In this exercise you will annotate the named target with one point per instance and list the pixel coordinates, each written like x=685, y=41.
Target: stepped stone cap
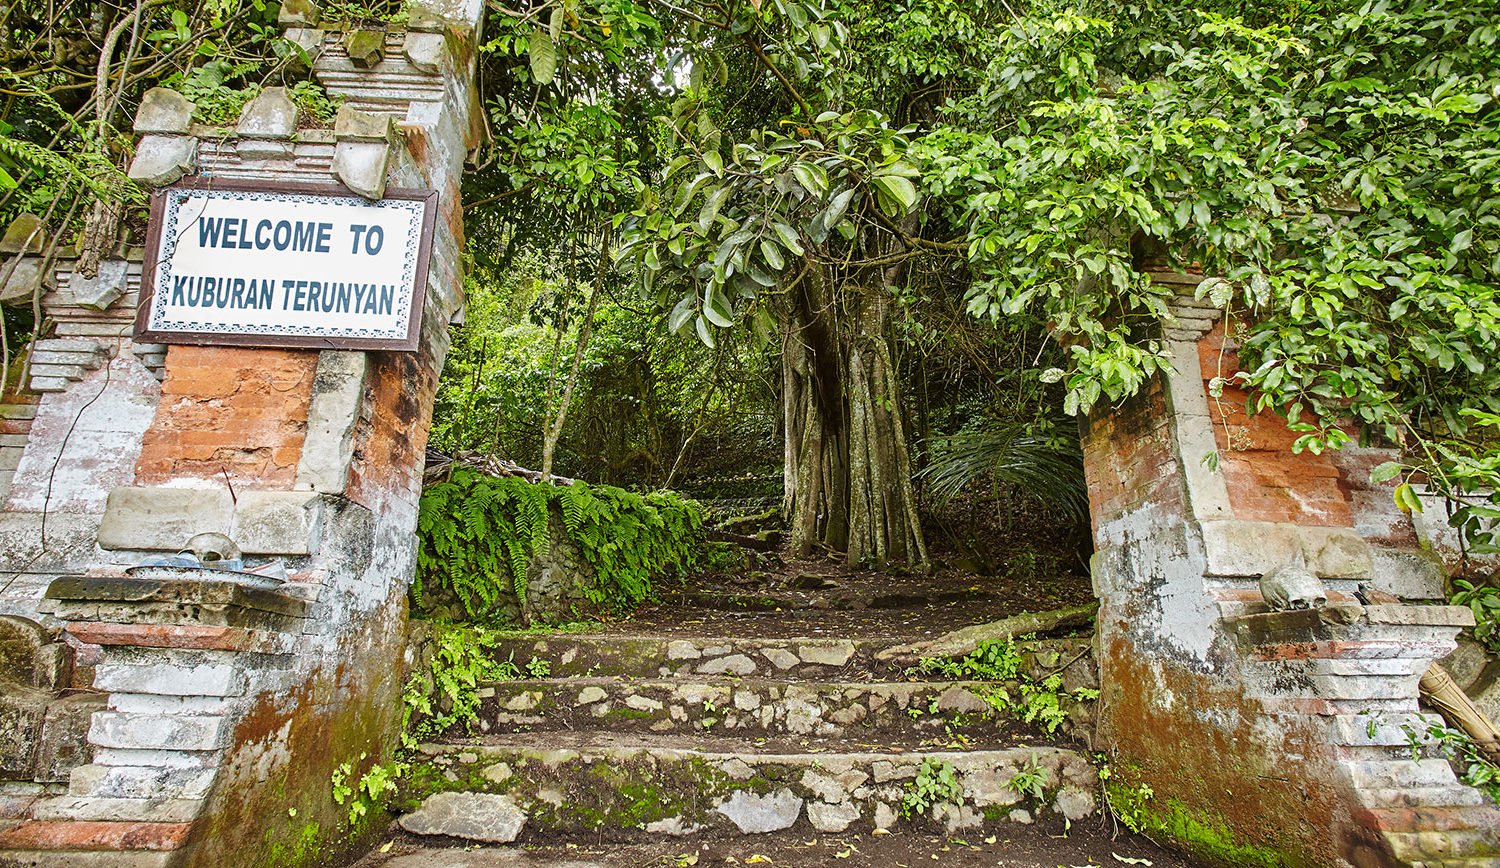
x=271, y=115
x=299, y=13
x=26, y=234
x=366, y=47
x=351, y=124
x=161, y=160
x=164, y=111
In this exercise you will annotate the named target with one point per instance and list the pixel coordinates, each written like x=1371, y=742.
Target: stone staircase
x=706, y=717
x=1358, y=679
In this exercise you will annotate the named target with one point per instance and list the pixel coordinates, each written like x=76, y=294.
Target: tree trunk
x=554, y=429
x=848, y=472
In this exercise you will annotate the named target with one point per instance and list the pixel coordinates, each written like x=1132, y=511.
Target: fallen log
x=762, y=543
x=440, y=466
x=961, y=643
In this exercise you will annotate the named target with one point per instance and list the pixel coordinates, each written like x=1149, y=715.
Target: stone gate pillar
x=229, y=709
x=1265, y=738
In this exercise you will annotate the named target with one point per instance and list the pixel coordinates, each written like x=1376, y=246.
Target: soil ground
x=821, y=598
x=1035, y=846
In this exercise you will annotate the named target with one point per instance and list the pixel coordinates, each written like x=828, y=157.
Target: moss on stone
x=1204, y=837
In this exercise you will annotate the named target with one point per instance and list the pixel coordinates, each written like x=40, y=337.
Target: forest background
x=855, y=259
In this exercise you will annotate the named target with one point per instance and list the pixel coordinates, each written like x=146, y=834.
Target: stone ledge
x=158, y=518
x=188, y=593
x=189, y=636
x=1253, y=548
x=1352, y=625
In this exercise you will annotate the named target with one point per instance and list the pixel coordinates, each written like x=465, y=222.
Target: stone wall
x=228, y=711
x=1266, y=737
x=557, y=584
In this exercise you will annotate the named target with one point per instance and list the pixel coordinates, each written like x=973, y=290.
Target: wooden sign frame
x=150, y=267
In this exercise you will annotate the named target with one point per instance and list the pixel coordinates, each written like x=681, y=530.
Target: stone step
x=153, y=810
x=803, y=658
x=1435, y=819
x=1400, y=773
x=758, y=706
x=1454, y=796
x=620, y=787
x=83, y=843
x=665, y=656
x=1426, y=846
x=833, y=596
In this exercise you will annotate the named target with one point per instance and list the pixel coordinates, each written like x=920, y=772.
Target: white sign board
x=285, y=266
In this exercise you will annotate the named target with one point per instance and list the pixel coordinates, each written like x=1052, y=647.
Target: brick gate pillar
x=229, y=708
x=1249, y=736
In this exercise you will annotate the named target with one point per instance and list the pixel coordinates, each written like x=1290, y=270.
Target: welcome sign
x=231, y=262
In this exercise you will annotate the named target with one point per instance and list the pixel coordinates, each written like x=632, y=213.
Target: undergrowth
x=1036, y=702
x=1475, y=769
x=439, y=695
x=477, y=532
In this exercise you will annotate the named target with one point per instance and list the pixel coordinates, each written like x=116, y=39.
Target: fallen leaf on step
x=1128, y=860
x=386, y=847
x=881, y=832
x=758, y=859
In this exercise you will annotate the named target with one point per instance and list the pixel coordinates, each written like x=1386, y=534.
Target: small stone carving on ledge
x=1293, y=586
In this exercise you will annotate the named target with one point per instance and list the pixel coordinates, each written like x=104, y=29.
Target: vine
x=477, y=533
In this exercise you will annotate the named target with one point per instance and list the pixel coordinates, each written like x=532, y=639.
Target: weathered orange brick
x=76, y=835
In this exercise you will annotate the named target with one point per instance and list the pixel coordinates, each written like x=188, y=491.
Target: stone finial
x=299, y=13
x=420, y=19
x=424, y=50
x=362, y=166
x=366, y=47
x=103, y=289
x=271, y=115
x=161, y=160
x=310, y=41
x=164, y=111
x=26, y=234
x=351, y=124
x=23, y=277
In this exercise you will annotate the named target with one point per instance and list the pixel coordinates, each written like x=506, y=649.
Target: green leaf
x=716, y=308
x=900, y=192
x=1406, y=498
x=835, y=211
x=1462, y=241
x=711, y=207
x=812, y=178
x=542, y=53
x=714, y=162
x=681, y=314
x=772, y=255
x=789, y=238
x=1385, y=472
x=705, y=334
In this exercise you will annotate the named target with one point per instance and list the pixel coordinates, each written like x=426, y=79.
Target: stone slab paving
x=629, y=787
x=756, y=707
